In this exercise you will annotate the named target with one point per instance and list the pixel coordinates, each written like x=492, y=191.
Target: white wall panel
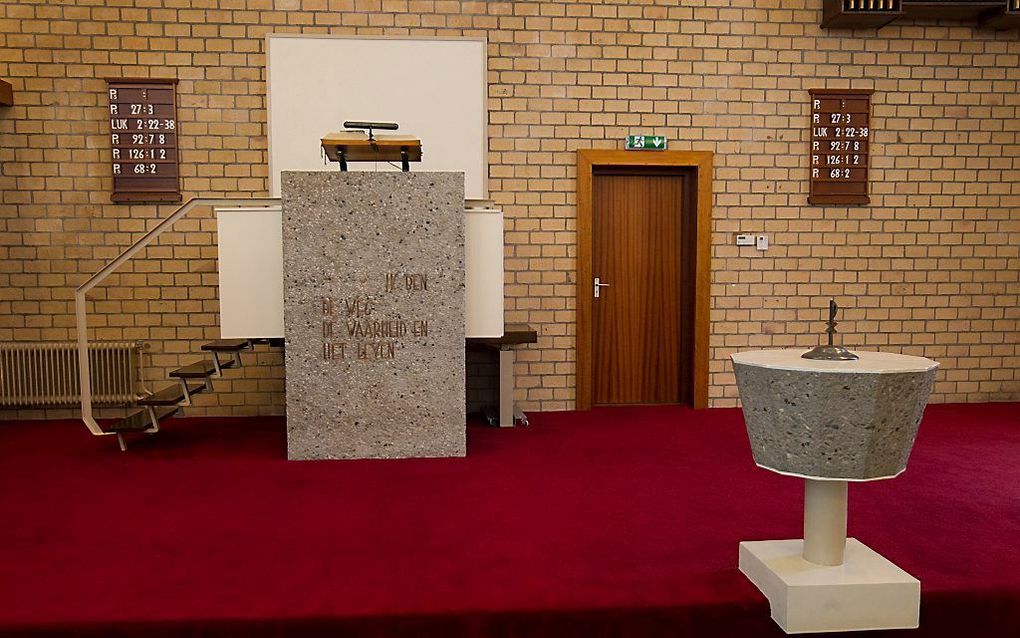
x=434, y=88
x=250, y=245
x=483, y=266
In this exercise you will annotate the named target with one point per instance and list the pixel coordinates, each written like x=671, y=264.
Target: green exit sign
x=646, y=142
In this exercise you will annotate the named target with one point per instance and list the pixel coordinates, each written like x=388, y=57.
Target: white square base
x=865, y=592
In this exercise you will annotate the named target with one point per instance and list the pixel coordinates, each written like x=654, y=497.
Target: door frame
x=588, y=160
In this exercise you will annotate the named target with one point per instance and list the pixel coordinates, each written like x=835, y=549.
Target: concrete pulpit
x=373, y=282
x=830, y=423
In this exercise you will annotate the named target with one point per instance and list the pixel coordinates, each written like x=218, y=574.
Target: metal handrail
x=81, y=321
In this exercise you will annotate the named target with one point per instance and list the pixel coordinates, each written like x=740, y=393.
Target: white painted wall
x=434, y=88
x=483, y=272
x=250, y=248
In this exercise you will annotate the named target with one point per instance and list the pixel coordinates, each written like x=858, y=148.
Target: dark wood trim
x=6, y=93
x=994, y=14
x=583, y=347
x=588, y=161
x=835, y=14
x=948, y=10
x=514, y=334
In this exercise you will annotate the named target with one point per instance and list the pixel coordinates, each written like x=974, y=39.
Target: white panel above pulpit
x=435, y=88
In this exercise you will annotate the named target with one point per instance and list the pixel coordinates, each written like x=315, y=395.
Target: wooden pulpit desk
x=356, y=146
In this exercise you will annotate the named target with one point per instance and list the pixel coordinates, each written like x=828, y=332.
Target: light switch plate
x=763, y=242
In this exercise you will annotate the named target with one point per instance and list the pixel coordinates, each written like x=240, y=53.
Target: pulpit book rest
x=356, y=146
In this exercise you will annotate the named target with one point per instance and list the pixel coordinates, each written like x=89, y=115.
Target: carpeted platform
x=618, y=522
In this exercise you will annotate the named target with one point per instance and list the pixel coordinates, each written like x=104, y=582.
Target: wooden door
x=641, y=341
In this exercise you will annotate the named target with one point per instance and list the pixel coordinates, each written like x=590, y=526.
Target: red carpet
x=619, y=522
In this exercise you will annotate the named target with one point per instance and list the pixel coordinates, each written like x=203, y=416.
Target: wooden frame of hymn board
x=588, y=160
x=144, y=148
x=840, y=146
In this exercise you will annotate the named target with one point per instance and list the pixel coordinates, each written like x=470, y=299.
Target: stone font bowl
x=846, y=420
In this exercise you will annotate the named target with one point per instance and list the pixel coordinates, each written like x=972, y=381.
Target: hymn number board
x=143, y=137
x=840, y=146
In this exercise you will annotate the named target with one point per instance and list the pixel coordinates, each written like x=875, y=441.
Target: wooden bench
x=514, y=334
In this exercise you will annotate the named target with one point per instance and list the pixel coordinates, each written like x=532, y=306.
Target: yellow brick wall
x=930, y=268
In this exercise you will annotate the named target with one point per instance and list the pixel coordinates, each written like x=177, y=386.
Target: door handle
x=598, y=284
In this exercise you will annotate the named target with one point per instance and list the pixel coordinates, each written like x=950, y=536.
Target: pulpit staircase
x=191, y=379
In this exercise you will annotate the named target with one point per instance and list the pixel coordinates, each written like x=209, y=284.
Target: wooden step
x=170, y=395
x=198, y=370
x=227, y=345
x=140, y=420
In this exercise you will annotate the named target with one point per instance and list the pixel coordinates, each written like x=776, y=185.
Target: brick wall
x=930, y=268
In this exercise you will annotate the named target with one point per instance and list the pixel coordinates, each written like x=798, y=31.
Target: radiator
x=46, y=373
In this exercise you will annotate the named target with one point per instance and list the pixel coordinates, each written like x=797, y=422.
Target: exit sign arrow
x=646, y=142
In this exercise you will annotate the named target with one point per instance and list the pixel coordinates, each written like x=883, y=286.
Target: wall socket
x=745, y=240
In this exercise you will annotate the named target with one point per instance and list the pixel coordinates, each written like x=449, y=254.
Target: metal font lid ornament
x=830, y=352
